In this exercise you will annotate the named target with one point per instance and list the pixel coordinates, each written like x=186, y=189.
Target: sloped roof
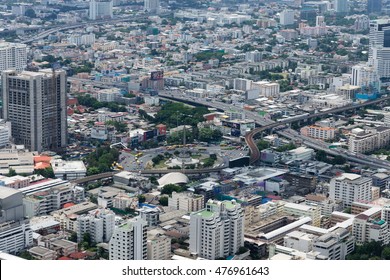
x=173, y=178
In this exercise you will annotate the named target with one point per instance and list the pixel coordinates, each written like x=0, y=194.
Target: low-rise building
x=186, y=201
x=318, y=132
x=300, y=210
x=42, y=253
x=15, y=182
x=68, y=170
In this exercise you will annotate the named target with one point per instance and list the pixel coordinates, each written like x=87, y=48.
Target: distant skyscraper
x=35, y=104
x=13, y=56
x=129, y=241
x=287, y=17
x=374, y=6
x=379, y=48
x=341, y=6
x=99, y=9
x=218, y=230
x=152, y=6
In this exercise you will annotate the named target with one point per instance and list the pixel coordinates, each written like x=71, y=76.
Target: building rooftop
x=7, y=192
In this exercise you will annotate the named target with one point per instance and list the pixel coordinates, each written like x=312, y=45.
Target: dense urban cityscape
x=194, y=129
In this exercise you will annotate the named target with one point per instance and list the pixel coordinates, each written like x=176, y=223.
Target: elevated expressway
x=268, y=125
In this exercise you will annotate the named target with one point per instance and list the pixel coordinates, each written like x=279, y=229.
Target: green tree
x=163, y=200
x=169, y=188
x=141, y=198
x=11, y=172
x=73, y=237
x=47, y=172
x=262, y=144
x=30, y=13
x=386, y=253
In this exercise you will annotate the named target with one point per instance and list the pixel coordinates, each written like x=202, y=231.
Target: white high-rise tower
x=129, y=241
x=152, y=6
x=218, y=230
x=379, y=48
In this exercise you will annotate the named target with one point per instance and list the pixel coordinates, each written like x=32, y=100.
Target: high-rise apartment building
x=159, y=247
x=100, y=9
x=98, y=223
x=341, y=6
x=152, y=6
x=364, y=141
x=129, y=241
x=286, y=17
x=349, y=188
x=364, y=76
x=35, y=104
x=374, y=6
x=218, y=230
x=46, y=201
x=379, y=47
x=335, y=245
x=365, y=229
x=13, y=56
x=15, y=231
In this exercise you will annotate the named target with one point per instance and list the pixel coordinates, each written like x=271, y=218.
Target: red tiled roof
x=64, y=259
x=78, y=255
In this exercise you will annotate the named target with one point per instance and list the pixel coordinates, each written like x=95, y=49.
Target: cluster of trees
x=267, y=75
x=86, y=67
x=209, y=162
x=163, y=200
x=47, y=172
x=101, y=160
x=323, y=156
x=88, y=101
x=170, y=188
x=285, y=85
x=119, y=126
x=286, y=147
x=157, y=159
x=262, y=145
x=172, y=114
x=209, y=135
x=209, y=54
x=129, y=95
x=177, y=137
x=373, y=250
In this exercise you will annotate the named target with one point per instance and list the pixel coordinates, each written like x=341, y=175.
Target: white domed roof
x=173, y=178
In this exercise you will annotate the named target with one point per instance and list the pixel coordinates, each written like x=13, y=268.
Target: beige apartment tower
x=35, y=104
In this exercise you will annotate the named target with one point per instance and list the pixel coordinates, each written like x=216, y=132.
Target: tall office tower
x=35, y=104
x=320, y=21
x=218, y=230
x=100, y=9
x=365, y=76
x=13, y=56
x=15, y=232
x=98, y=223
x=341, y=6
x=152, y=6
x=129, y=241
x=349, y=188
x=286, y=17
x=379, y=48
x=374, y=6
